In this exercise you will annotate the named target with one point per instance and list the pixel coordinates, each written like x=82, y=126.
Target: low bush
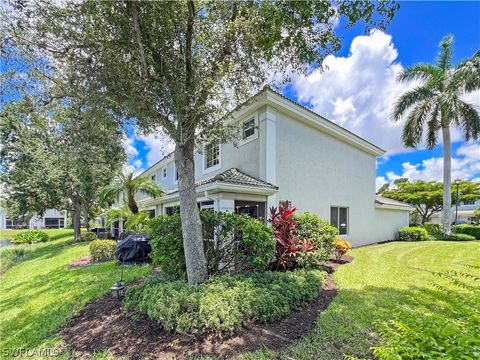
x=224, y=303
x=87, y=236
x=473, y=230
x=11, y=256
x=415, y=233
x=102, y=250
x=319, y=232
x=454, y=237
x=433, y=229
x=341, y=247
x=232, y=242
x=30, y=237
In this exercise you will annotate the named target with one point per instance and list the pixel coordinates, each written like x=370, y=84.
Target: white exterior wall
x=38, y=222
x=3, y=219
x=316, y=171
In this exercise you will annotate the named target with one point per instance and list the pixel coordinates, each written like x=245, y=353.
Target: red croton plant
x=289, y=246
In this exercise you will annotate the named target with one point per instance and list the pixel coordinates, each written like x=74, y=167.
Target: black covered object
x=133, y=249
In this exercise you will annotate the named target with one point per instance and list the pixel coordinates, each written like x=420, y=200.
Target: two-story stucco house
x=288, y=153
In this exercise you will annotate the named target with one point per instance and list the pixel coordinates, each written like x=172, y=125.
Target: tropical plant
x=341, y=248
x=102, y=250
x=129, y=185
x=285, y=226
x=438, y=103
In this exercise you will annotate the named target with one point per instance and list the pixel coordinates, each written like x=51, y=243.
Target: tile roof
x=235, y=177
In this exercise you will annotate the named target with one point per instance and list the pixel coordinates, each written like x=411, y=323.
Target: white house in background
x=51, y=219
x=466, y=213
x=288, y=153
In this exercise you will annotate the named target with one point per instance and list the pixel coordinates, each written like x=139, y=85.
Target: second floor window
x=153, y=177
x=211, y=155
x=248, y=128
x=164, y=172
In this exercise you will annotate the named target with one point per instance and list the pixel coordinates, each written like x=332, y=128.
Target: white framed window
x=211, y=157
x=248, y=128
x=339, y=219
x=164, y=172
x=153, y=177
x=176, y=173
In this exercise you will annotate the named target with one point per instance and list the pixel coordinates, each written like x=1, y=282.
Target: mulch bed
x=104, y=325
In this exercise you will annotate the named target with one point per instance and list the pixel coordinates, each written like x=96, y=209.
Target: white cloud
x=358, y=91
x=465, y=165
x=157, y=145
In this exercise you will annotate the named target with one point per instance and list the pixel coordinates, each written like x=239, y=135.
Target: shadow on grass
x=440, y=318
x=33, y=307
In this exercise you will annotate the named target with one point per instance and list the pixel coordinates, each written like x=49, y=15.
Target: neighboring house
x=466, y=213
x=288, y=153
x=51, y=219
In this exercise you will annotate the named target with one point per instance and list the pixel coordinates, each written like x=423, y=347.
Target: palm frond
x=110, y=192
x=445, y=55
x=468, y=120
x=466, y=77
x=413, y=128
x=115, y=214
x=409, y=99
x=149, y=187
x=433, y=125
x=423, y=72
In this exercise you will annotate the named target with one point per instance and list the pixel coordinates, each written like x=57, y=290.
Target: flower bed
x=224, y=303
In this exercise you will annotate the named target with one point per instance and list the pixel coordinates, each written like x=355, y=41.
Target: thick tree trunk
x=86, y=218
x=191, y=224
x=76, y=217
x=447, y=180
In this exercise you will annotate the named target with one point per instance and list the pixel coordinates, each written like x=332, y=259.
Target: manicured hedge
x=224, y=303
x=413, y=233
x=454, y=237
x=102, y=250
x=236, y=240
x=30, y=237
x=473, y=230
x=87, y=236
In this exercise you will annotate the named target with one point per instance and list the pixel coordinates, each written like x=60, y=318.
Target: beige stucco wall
x=316, y=171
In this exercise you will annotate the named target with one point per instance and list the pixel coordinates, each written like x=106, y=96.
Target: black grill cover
x=134, y=249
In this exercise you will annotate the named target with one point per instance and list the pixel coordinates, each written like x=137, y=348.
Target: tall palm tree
x=130, y=185
x=437, y=104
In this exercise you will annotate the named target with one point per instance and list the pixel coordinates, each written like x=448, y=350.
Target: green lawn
x=406, y=299
x=40, y=293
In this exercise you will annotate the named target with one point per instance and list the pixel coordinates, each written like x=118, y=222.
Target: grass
x=406, y=300
x=54, y=234
x=42, y=292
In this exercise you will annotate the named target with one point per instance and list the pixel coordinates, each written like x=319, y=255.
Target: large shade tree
x=181, y=67
x=127, y=186
x=437, y=104
x=427, y=196
x=59, y=156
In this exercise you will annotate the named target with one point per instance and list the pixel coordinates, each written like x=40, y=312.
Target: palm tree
x=437, y=104
x=130, y=185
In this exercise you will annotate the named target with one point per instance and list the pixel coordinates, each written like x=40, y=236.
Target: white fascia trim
x=212, y=188
x=394, y=207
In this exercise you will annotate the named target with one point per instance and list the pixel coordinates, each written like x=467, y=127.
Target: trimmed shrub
x=341, y=248
x=167, y=245
x=414, y=233
x=102, y=250
x=87, y=236
x=285, y=226
x=473, y=230
x=454, y=237
x=30, y=237
x=232, y=242
x=433, y=229
x=11, y=256
x=224, y=303
x=319, y=232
